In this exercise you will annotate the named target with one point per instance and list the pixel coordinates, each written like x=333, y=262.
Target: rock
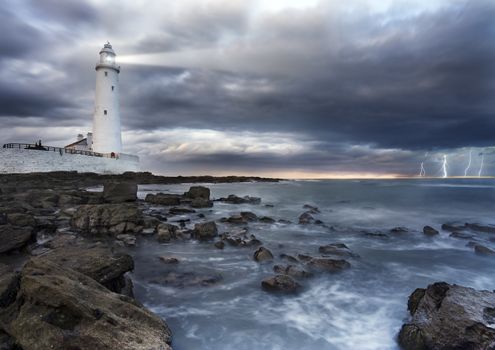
x=292, y=271
x=311, y=209
x=339, y=249
x=9, y=285
x=482, y=250
x=13, y=237
x=236, y=219
x=452, y=227
x=98, y=263
x=399, y=229
x=233, y=199
x=60, y=308
x=20, y=219
x=430, y=231
x=219, y=245
x=375, y=234
x=166, y=232
x=120, y=192
x=108, y=219
x=306, y=218
x=267, y=220
x=180, y=211
x=205, y=231
x=285, y=222
x=129, y=240
x=201, y=203
x=461, y=235
x=169, y=260
x=289, y=258
x=188, y=279
x=304, y=257
x=328, y=265
x=448, y=316
x=262, y=254
x=163, y=199
x=249, y=216
x=280, y=284
x=198, y=192
x=481, y=228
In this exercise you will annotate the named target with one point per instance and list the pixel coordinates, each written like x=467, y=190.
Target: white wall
x=25, y=161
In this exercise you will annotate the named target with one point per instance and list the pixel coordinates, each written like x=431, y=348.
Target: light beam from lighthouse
x=106, y=120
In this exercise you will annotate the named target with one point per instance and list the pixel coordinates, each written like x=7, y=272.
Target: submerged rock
x=461, y=235
x=292, y=271
x=399, y=229
x=446, y=316
x=328, y=265
x=452, y=227
x=120, y=192
x=339, y=249
x=280, y=284
x=481, y=228
x=430, y=231
x=169, y=260
x=188, y=279
x=262, y=254
x=205, y=231
x=482, y=250
x=306, y=218
x=60, y=308
x=311, y=209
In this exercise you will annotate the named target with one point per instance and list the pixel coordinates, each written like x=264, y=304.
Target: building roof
x=83, y=142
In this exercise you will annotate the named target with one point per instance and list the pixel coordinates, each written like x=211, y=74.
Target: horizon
x=290, y=89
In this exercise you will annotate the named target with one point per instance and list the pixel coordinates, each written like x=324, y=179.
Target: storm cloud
x=294, y=87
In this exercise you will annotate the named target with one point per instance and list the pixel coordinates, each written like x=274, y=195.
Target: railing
x=61, y=150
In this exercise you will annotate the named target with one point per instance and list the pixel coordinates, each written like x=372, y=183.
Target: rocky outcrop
x=292, y=271
x=233, y=199
x=306, y=218
x=205, y=231
x=262, y=254
x=120, y=192
x=446, y=316
x=280, y=284
x=166, y=232
x=99, y=263
x=430, y=231
x=14, y=237
x=108, y=219
x=163, y=199
x=59, y=308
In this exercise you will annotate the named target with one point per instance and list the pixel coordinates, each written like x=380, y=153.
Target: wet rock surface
x=280, y=284
x=446, y=316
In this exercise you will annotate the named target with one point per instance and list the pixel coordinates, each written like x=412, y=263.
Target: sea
x=360, y=308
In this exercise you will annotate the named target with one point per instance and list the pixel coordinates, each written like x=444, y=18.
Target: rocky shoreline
x=65, y=262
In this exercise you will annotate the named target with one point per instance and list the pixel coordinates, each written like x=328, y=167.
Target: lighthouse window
x=113, y=87
x=105, y=111
x=106, y=74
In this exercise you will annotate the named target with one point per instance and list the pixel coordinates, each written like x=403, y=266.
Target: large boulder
x=280, y=284
x=108, y=219
x=60, y=308
x=120, y=192
x=99, y=263
x=205, y=231
x=198, y=192
x=446, y=316
x=14, y=237
x=163, y=199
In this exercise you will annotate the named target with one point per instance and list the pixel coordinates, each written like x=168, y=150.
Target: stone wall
x=25, y=161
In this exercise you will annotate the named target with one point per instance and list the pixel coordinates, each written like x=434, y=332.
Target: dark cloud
x=409, y=81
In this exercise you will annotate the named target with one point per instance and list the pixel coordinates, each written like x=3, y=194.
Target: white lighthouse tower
x=106, y=120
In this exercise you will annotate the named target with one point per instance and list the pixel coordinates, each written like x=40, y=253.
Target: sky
x=294, y=89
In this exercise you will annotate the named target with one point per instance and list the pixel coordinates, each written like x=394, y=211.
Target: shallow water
x=360, y=308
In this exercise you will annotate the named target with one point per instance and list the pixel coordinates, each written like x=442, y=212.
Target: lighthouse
x=106, y=119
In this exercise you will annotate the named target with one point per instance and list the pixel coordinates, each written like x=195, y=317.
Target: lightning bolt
x=422, y=171
x=469, y=163
x=444, y=166
x=481, y=165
